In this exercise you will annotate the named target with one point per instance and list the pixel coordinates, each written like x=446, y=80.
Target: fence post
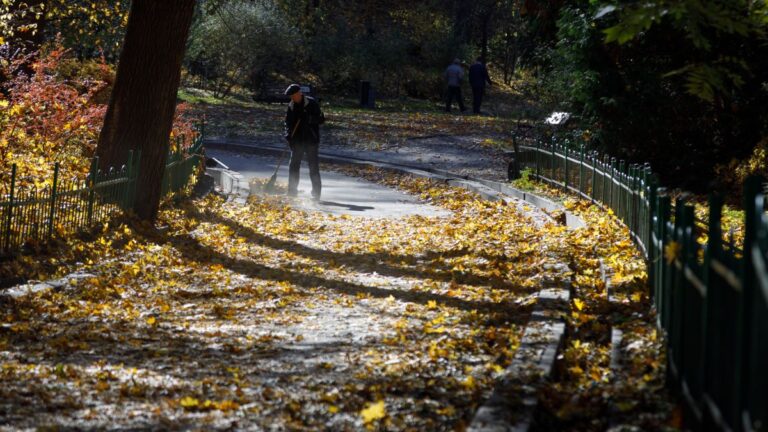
x=650, y=249
x=620, y=192
x=538, y=173
x=662, y=293
x=581, y=169
x=634, y=181
x=593, y=162
x=677, y=289
x=565, y=167
x=553, y=160
x=92, y=187
x=752, y=213
x=10, y=209
x=53, y=199
x=613, y=176
x=631, y=198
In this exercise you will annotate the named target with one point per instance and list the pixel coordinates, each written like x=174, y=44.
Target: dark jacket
x=478, y=75
x=308, y=112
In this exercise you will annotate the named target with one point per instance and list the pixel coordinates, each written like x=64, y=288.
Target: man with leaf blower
x=302, y=131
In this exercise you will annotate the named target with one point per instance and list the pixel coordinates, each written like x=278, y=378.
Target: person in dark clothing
x=302, y=131
x=478, y=76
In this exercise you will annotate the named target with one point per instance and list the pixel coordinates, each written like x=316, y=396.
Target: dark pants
x=300, y=149
x=454, y=92
x=477, y=98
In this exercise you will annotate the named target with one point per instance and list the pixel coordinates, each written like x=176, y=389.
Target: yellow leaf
x=374, y=411
x=578, y=303
x=189, y=402
x=333, y=409
x=672, y=251
x=151, y=320
x=469, y=383
x=431, y=304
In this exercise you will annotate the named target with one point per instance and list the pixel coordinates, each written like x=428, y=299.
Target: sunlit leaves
x=441, y=294
x=55, y=115
x=374, y=411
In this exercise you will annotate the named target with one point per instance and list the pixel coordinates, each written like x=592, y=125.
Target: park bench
x=272, y=91
x=522, y=130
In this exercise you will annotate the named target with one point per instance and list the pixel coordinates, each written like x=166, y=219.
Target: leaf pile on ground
x=269, y=317
x=592, y=391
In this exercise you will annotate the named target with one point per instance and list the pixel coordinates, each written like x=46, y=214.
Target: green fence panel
x=693, y=296
x=711, y=302
x=754, y=306
x=30, y=215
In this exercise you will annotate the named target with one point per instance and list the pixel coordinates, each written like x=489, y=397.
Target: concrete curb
x=512, y=405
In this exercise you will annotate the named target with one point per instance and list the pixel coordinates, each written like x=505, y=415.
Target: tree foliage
x=679, y=84
x=401, y=46
x=239, y=42
x=90, y=27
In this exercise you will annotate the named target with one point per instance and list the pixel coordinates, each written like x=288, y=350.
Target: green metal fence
x=711, y=299
x=31, y=215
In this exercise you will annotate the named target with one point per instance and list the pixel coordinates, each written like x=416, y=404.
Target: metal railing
x=32, y=215
x=711, y=299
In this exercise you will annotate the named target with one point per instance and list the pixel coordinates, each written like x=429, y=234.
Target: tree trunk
x=143, y=101
x=484, y=36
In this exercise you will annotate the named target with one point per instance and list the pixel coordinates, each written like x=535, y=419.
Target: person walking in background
x=478, y=76
x=302, y=131
x=453, y=75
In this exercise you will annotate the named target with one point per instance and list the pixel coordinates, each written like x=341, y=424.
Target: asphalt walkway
x=342, y=194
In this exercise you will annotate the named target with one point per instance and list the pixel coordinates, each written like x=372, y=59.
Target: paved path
x=261, y=317
x=342, y=194
x=462, y=155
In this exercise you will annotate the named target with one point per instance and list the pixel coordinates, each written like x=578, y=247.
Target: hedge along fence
x=31, y=215
x=711, y=300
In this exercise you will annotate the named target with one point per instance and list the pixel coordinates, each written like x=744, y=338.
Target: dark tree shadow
x=374, y=262
x=350, y=207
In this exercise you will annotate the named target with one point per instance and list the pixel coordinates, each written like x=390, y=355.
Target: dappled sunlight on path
x=264, y=316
